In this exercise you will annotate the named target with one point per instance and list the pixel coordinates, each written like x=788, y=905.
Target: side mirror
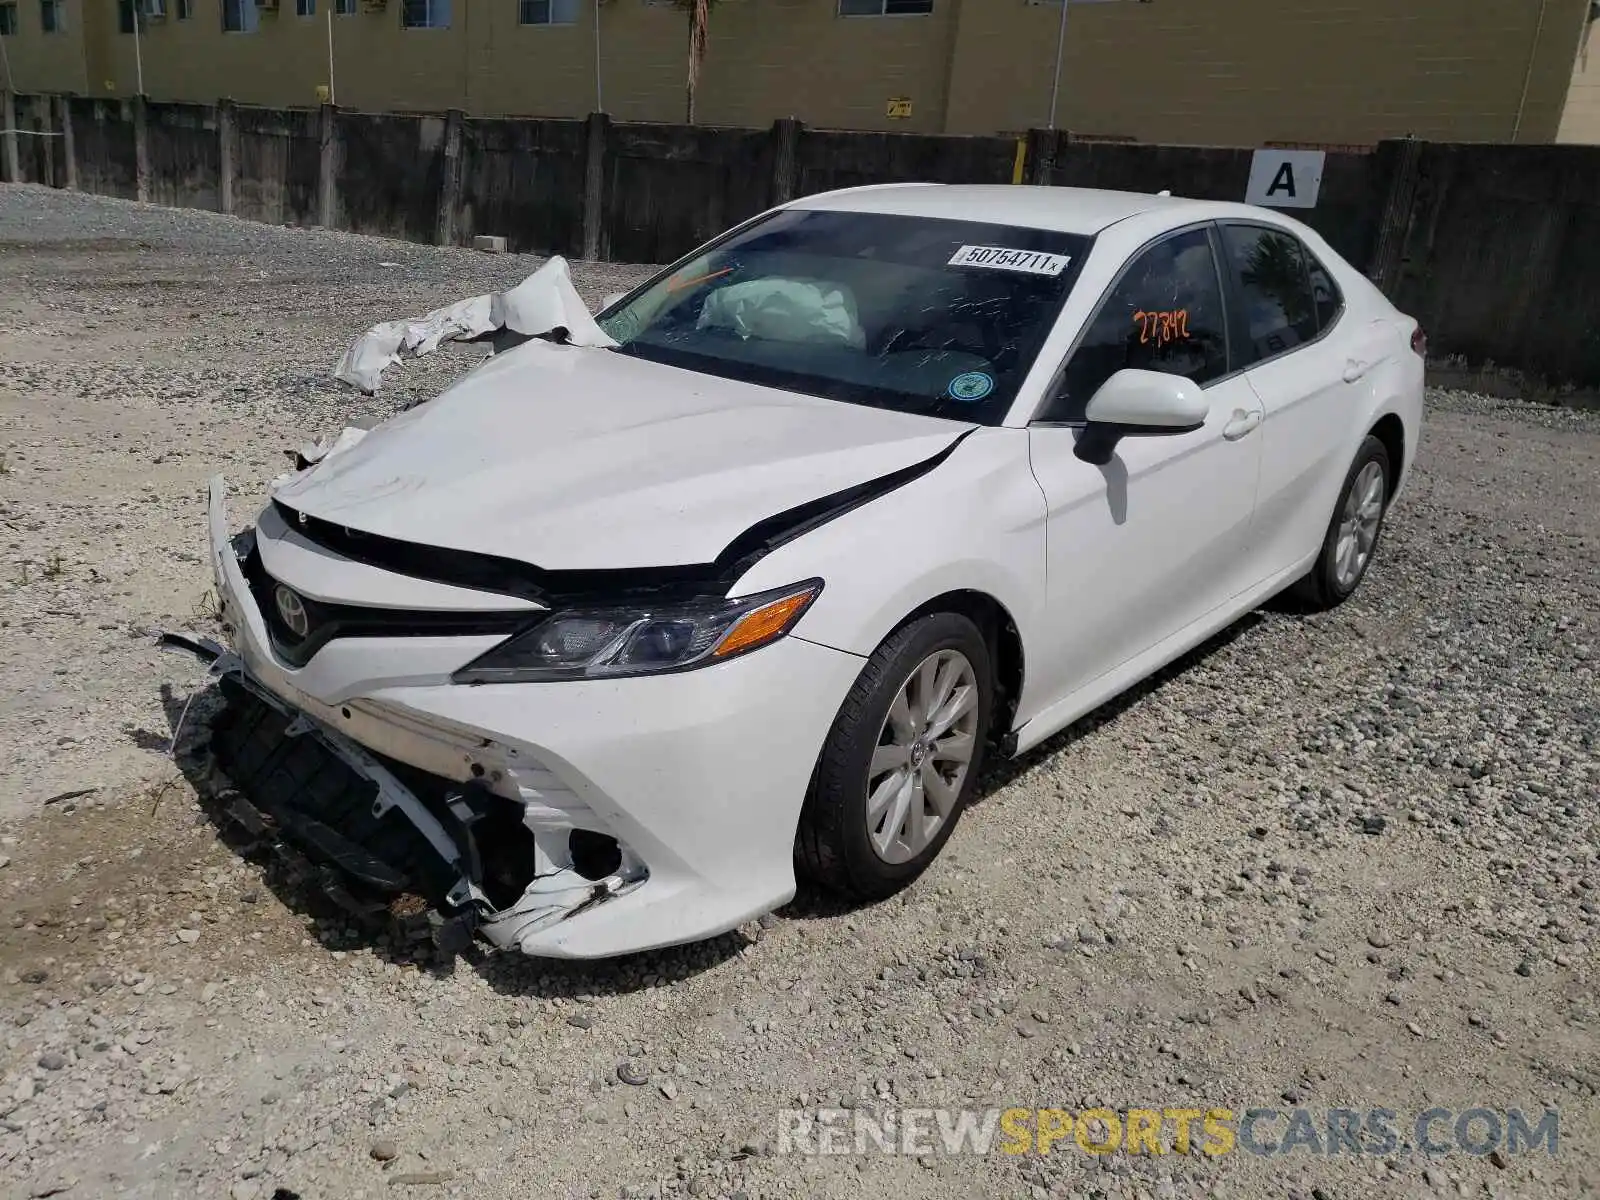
x=1135, y=403
x=610, y=300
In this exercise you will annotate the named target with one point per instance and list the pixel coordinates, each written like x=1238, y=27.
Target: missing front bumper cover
x=449, y=860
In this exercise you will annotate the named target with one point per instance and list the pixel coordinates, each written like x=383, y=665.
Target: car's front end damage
x=580, y=818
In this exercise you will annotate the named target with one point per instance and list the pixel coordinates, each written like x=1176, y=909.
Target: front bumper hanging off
x=580, y=819
x=273, y=775
x=341, y=818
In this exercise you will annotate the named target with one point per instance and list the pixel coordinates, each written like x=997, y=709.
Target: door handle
x=1240, y=424
x=1354, y=370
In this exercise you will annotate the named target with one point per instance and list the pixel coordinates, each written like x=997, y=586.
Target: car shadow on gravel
x=399, y=938
x=1001, y=773
x=813, y=903
x=160, y=741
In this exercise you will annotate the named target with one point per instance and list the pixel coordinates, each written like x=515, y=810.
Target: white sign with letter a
x=1285, y=178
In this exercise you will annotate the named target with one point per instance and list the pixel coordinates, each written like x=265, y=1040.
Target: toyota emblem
x=293, y=611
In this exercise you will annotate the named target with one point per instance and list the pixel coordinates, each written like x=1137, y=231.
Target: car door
x=1145, y=546
x=1306, y=361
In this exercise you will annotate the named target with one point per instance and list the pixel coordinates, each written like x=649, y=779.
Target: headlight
x=604, y=643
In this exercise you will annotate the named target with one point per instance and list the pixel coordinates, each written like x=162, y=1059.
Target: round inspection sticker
x=974, y=385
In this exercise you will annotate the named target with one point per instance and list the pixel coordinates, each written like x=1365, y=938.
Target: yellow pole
x=1021, y=160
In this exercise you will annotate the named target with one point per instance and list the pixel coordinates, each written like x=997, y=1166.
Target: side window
x=1275, y=293
x=1164, y=314
x=1324, y=292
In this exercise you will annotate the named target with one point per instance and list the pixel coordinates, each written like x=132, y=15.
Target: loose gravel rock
x=1336, y=860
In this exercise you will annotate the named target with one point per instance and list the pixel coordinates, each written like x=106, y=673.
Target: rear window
x=912, y=313
x=1280, y=308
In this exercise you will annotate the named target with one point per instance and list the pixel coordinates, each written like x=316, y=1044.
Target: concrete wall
x=1490, y=246
x=1229, y=72
x=104, y=147
x=524, y=180
x=1500, y=262
x=183, y=156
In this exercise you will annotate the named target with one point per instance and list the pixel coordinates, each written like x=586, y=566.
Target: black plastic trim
x=508, y=577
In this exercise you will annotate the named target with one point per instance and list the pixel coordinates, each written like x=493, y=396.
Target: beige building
x=1235, y=72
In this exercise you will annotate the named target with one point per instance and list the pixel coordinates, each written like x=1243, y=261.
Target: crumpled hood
x=572, y=458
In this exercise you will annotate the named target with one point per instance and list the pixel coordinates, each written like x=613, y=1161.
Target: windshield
x=913, y=313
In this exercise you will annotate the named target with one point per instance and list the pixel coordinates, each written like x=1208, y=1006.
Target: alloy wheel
x=924, y=751
x=1358, y=526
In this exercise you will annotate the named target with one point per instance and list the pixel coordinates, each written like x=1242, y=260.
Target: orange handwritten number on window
x=1164, y=326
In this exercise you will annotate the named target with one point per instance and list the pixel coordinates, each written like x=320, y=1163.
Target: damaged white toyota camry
x=592, y=652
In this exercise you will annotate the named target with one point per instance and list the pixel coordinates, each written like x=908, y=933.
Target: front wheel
x=901, y=760
x=1352, y=535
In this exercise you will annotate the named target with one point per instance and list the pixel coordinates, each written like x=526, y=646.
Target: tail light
x=1419, y=342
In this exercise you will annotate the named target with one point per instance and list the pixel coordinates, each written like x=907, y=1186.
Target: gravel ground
x=1341, y=860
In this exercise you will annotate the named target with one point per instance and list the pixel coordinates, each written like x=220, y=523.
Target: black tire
x=832, y=846
x=1320, y=588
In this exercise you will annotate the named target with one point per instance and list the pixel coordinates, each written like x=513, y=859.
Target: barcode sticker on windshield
x=998, y=258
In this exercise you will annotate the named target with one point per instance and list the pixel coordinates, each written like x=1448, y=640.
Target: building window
x=547, y=12
x=305, y=8
x=51, y=17
x=885, y=8
x=8, y=20
x=425, y=14
x=345, y=8
x=240, y=16
x=185, y=9
x=128, y=12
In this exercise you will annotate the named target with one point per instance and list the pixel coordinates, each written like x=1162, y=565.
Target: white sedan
x=603, y=645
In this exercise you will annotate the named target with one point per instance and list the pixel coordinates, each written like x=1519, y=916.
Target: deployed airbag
x=785, y=310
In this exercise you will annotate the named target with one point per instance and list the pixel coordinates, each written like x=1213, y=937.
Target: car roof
x=1062, y=209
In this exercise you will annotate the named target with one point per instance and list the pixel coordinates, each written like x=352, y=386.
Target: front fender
x=974, y=523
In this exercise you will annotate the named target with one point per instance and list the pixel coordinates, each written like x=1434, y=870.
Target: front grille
x=328, y=622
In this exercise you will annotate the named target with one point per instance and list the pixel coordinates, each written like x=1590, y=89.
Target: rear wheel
x=901, y=761
x=1352, y=535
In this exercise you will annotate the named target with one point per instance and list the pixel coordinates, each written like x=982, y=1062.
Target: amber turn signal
x=764, y=624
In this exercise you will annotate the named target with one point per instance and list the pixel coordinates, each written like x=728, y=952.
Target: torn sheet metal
x=542, y=303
